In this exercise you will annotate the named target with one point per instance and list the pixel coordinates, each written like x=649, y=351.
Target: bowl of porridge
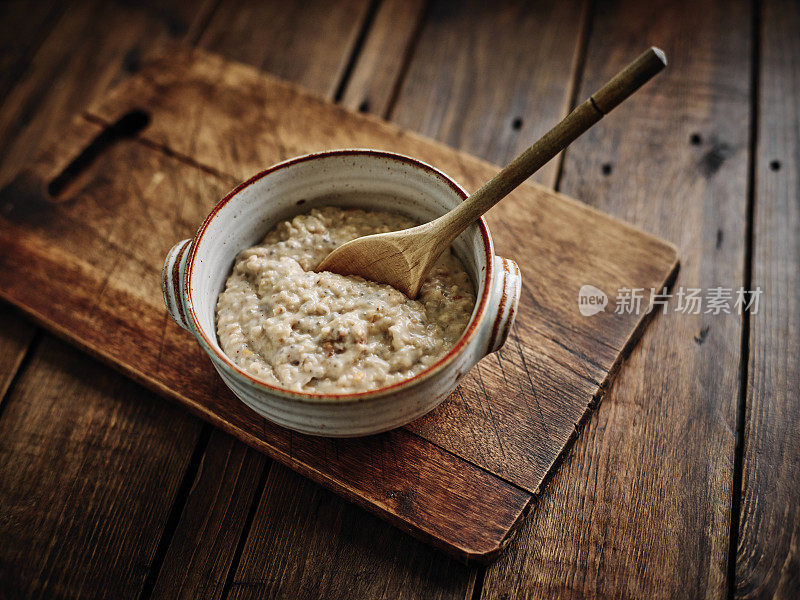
x=326, y=354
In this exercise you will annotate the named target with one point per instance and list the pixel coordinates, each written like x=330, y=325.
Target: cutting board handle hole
x=127, y=126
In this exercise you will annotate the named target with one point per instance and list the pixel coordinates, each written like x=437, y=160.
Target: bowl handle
x=171, y=277
x=504, y=299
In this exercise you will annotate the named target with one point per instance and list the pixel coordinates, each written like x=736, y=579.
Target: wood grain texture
x=306, y=42
x=16, y=333
x=21, y=27
x=379, y=66
x=81, y=509
x=565, y=359
x=90, y=545
x=213, y=519
x=757, y=568
x=641, y=508
x=337, y=551
x=570, y=358
x=767, y=554
x=117, y=310
x=490, y=78
x=23, y=24
x=106, y=41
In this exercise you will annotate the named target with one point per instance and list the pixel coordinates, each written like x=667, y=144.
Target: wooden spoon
x=402, y=258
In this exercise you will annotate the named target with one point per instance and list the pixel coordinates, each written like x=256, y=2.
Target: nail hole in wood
x=176, y=26
x=700, y=338
x=606, y=169
x=24, y=119
x=364, y=106
x=516, y=124
x=128, y=126
x=775, y=165
x=132, y=60
x=695, y=139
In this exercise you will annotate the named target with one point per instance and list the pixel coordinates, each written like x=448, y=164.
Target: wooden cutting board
x=84, y=230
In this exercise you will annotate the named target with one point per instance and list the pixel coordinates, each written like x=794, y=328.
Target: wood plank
x=23, y=24
x=106, y=41
x=105, y=515
x=306, y=42
x=306, y=543
x=203, y=546
x=553, y=343
x=215, y=147
x=81, y=510
x=379, y=67
x=16, y=334
x=641, y=508
x=491, y=78
x=33, y=36
x=88, y=239
x=570, y=357
x=767, y=558
x=565, y=358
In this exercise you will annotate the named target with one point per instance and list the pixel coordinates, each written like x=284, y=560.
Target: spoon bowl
x=400, y=258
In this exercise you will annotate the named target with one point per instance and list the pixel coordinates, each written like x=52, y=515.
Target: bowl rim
x=351, y=397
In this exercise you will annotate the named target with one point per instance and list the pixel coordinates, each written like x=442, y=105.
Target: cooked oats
x=290, y=327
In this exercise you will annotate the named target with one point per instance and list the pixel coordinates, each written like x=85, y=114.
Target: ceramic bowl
x=195, y=272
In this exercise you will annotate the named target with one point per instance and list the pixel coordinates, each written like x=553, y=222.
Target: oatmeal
x=288, y=326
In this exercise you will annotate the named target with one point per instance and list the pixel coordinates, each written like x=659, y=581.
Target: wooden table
x=685, y=483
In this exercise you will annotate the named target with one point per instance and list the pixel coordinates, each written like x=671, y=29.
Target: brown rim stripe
x=176, y=282
x=500, y=308
x=165, y=287
x=518, y=282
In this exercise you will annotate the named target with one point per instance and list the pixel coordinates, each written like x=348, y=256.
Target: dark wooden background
x=686, y=481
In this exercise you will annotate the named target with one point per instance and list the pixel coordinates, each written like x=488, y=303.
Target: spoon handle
x=622, y=85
